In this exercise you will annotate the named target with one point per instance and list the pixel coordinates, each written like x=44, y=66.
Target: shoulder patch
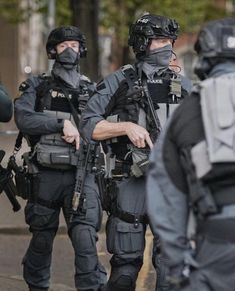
x=101, y=85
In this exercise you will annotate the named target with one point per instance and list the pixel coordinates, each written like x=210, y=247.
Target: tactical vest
x=50, y=97
x=50, y=150
x=131, y=105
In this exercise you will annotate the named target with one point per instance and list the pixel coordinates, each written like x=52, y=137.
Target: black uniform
x=53, y=188
x=172, y=181
x=5, y=105
x=127, y=221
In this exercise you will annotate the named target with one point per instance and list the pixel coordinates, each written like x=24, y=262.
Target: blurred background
x=25, y=25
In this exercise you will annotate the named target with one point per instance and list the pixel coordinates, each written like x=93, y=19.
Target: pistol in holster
x=107, y=189
x=25, y=177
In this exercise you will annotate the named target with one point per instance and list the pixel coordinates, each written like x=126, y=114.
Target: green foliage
x=117, y=15
x=190, y=14
x=63, y=12
x=16, y=11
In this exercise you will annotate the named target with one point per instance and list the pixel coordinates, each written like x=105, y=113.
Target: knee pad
x=42, y=241
x=84, y=239
x=123, y=278
x=125, y=282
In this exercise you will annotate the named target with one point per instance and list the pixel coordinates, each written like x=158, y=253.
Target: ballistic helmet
x=65, y=33
x=151, y=26
x=215, y=43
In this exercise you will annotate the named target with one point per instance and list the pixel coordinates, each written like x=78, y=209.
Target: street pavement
x=14, y=240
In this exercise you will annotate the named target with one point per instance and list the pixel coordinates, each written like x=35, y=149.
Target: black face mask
x=159, y=57
x=68, y=58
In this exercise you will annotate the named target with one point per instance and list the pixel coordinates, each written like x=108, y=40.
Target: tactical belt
x=122, y=169
x=54, y=204
x=131, y=218
x=222, y=229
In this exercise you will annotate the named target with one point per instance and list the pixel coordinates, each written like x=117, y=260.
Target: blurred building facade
x=22, y=51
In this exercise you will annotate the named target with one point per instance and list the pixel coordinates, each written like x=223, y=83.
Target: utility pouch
x=53, y=152
x=139, y=169
x=140, y=164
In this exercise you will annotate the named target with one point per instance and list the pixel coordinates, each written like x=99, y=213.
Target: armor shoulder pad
x=85, y=79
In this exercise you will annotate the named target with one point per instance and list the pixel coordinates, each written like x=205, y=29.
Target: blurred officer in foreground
x=127, y=112
x=192, y=168
x=5, y=105
x=46, y=114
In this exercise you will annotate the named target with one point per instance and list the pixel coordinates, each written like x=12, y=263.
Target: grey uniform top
x=27, y=119
x=167, y=187
x=96, y=106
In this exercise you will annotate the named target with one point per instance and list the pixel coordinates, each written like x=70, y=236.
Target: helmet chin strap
x=175, y=56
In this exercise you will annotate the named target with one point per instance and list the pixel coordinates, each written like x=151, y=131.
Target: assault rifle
x=78, y=194
x=7, y=184
x=153, y=113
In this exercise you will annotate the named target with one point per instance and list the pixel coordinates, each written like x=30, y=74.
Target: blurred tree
x=16, y=11
x=78, y=12
x=85, y=16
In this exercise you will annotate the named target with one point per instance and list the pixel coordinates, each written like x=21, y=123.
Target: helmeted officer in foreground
x=5, y=105
x=192, y=168
x=46, y=114
x=127, y=112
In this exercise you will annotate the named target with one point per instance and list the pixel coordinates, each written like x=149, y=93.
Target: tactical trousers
x=55, y=185
x=126, y=241
x=216, y=259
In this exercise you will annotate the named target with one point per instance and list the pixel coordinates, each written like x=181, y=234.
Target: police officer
x=5, y=105
x=192, y=169
x=127, y=112
x=46, y=115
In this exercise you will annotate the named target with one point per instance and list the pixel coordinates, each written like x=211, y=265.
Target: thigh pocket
x=125, y=238
x=38, y=216
x=92, y=211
